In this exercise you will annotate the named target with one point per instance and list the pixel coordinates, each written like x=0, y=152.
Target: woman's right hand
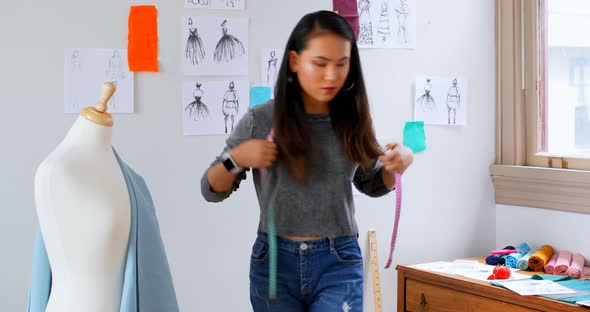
x=255, y=153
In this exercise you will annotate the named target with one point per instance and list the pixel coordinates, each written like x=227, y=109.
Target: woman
x=323, y=141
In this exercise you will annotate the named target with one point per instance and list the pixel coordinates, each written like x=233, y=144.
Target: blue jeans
x=315, y=276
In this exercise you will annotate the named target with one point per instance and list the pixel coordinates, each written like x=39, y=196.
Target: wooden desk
x=423, y=291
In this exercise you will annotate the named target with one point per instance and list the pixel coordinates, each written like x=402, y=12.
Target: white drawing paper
x=215, y=4
x=441, y=100
x=387, y=24
x=85, y=71
x=530, y=287
x=215, y=46
x=213, y=107
x=270, y=64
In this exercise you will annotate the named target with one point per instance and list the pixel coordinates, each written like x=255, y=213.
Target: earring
x=349, y=88
x=289, y=79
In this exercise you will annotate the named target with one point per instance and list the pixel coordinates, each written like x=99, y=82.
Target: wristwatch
x=229, y=164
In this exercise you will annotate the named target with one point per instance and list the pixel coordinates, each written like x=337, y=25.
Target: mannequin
x=83, y=208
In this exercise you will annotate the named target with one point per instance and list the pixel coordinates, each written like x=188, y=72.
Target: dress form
x=84, y=213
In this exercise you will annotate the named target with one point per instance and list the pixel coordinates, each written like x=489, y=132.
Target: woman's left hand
x=397, y=159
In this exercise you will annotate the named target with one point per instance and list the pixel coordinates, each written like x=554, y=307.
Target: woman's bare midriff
x=301, y=238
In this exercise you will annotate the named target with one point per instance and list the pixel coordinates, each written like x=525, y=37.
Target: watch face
x=228, y=164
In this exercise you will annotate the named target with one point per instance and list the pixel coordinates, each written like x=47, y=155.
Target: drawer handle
x=422, y=303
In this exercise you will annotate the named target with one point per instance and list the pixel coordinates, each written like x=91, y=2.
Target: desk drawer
x=423, y=297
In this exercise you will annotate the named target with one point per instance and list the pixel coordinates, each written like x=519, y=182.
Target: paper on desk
x=481, y=271
x=482, y=275
x=529, y=287
x=439, y=266
x=585, y=303
x=578, y=293
x=447, y=266
x=468, y=268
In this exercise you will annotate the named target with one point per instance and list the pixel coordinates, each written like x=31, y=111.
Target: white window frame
x=521, y=176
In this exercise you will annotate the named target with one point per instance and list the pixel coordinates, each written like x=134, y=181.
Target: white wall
x=448, y=199
x=561, y=230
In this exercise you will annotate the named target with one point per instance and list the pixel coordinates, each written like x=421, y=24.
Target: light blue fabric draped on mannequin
x=148, y=285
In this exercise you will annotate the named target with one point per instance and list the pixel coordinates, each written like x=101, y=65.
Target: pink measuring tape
x=263, y=171
x=398, y=207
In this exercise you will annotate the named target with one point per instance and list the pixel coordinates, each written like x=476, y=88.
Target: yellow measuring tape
x=374, y=259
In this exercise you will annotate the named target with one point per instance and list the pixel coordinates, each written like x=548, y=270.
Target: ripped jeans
x=315, y=276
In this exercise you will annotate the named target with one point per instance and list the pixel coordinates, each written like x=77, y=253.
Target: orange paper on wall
x=142, y=50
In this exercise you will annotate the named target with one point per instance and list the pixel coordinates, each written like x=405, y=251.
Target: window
x=564, y=74
x=543, y=104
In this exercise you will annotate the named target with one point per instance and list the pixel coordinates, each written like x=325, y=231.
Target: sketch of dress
x=383, y=26
x=453, y=101
x=230, y=105
x=194, y=51
x=228, y=46
x=426, y=101
x=197, y=109
x=402, y=16
x=114, y=73
x=365, y=25
x=271, y=70
x=76, y=79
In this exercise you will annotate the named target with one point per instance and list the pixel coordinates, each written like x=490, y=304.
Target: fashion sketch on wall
x=453, y=102
x=387, y=24
x=114, y=73
x=365, y=24
x=194, y=50
x=426, y=102
x=215, y=4
x=402, y=18
x=228, y=46
x=232, y=3
x=270, y=63
x=215, y=45
x=197, y=109
x=198, y=2
x=85, y=70
x=76, y=75
x=213, y=106
x=230, y=106
x=441, y=100
x=271, y=69
x=383, y=32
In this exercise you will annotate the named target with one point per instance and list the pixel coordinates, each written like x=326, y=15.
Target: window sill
x=537, y=187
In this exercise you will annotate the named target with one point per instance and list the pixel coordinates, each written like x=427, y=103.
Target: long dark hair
x=349, y=110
